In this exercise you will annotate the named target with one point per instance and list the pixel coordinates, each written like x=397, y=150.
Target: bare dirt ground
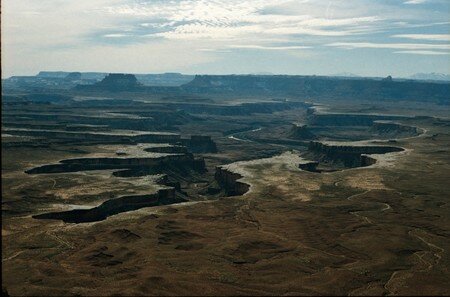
x=377, y=230
x=366, y=231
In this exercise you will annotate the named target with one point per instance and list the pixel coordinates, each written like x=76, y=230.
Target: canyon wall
x=336, y=119
x=301, y=132
x=98, y=137
x=393, y=129
x=173, y=149
x=112, y=207
x=320, y=87
x=240, y=109
x=348, y=155
x=230, y=182
x=83, y=164
x=194, y=144
x=310, y=166
x=200, y=144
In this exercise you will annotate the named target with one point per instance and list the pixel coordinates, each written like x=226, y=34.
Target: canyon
x=114, y=184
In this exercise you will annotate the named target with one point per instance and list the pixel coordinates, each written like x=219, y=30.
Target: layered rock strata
x=113, y=206
x=348, y=155
x=230, y=182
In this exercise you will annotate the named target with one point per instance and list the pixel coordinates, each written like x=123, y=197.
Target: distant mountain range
x=345, y=74
x=321, y=87
x=162, y=79
x=430, y=76
x=174, y=79
x=67, y=80
x=433, y=76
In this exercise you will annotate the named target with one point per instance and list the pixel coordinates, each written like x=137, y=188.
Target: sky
x=306, y=37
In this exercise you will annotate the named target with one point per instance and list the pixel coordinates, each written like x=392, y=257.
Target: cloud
x=116, y=35
x=293, y=47
x=33, y=32
x=429, y=53
x=415, y=1
x=232, y=19
x=433, y=37
x=408, y=46
x=206, y=31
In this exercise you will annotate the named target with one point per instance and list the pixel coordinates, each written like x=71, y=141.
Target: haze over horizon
x=321, y=37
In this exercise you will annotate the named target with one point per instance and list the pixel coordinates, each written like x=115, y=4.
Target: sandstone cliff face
x=347, y=119
x=367, y=160
x=200, y=144
x=229, y=181
x=301, y=132
x=310, y=166
x=82, y=164
x=157, y=138
x=100, y=137
x=115, y=82
x=240, y=109
x=331, y=148
x=113, y=206
x=350, y=156
x=393, y=129
x=173, y=149
x=320, y=87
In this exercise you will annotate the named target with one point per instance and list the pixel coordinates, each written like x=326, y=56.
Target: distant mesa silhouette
x=388, y=78
x=115, y=82
x=73, y=76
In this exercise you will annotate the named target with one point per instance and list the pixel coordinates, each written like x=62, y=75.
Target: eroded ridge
x=194, y=144
x=176, y=169
x=335, y=156
x=83, y=164
x=114, y=206
x=230, y=181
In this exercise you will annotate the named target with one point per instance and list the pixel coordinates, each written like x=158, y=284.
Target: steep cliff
x=200, y=144
x=338, y=119
x=100, y=137
x=230, y=182
x=393, y=129
x=113, y=206
x=114, y=82
x=320, y=87
x=347, y=155
x=301, y=132
x=169, y=149
x=150, y=164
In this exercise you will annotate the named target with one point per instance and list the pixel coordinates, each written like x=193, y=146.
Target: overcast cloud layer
x=365, y=37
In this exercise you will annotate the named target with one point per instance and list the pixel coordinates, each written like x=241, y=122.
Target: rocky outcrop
x=239, y=109
x=335, y=148
x=113, y=206
x=348, y=155
x=230, y=182
x=301, y=132
x=194, y=144
x=200, y=144
x=172, y=149
x=98, y=136
x=320, y=87
x=149, y=164
x=156, y=138
x=393, y=129
x=310, y=166
x=73, y=76
x=114, y=82
x=142, y=124
x=338, y=119
x=367, y=160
